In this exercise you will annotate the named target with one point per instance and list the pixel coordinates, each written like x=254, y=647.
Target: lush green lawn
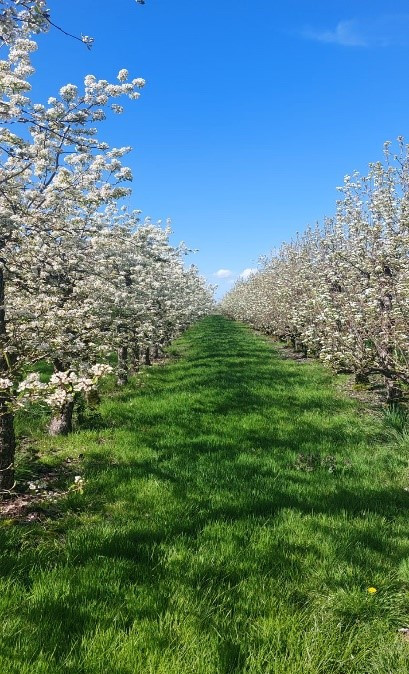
x=236, y=510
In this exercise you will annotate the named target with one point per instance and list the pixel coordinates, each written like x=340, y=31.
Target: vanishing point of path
x=236, y=509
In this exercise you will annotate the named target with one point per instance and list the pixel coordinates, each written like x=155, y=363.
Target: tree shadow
x=220, y=470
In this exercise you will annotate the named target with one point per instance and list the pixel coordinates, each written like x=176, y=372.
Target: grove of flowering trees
x=340, y=291
x=80, y=276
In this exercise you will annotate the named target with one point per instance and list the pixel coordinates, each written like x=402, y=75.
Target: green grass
x=236, y=509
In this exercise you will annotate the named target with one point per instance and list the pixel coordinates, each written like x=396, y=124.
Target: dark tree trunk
x=7, y=445
x=123, y=366
x=361, y=378
x=61, y=422
x=148, y=356
x=7, y=435
x=393, y=392
x=135, y=356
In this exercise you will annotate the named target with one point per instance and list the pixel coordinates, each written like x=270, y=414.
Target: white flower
x=69, y=92
x=123, y=75
x=87, y=40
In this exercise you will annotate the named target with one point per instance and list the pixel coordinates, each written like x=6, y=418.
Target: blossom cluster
x=61, y=386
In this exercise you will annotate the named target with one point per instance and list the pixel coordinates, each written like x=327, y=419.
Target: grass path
x=236, y=509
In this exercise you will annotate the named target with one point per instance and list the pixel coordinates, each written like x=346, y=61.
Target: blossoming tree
x=64, y=296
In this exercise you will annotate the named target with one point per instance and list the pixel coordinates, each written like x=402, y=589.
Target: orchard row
x=340, y=291
x=81, y=278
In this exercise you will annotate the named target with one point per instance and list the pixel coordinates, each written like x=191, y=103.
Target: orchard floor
x=236, y=509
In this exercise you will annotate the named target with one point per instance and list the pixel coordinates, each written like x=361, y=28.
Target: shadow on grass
x=222, y=428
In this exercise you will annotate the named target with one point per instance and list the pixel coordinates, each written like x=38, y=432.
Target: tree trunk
x=61, y=422
x=361, y=378
x=7, y=445
x=7, y=435
x=148, y=356
x=135, y=355
x=123, y=366
x=393, y=392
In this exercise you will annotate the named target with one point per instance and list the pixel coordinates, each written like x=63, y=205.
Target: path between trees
x=236, y=509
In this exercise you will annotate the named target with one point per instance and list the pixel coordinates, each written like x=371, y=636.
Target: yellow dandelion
x=372, y=590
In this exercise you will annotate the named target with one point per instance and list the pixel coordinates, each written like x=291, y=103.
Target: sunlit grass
x=236, y=510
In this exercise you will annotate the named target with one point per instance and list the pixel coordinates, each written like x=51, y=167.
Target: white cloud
x=246, y=273
x=381, y=31
x=223, y=273
x=346, y=33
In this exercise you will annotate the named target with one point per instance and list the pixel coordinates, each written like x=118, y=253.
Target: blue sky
x=253, y=111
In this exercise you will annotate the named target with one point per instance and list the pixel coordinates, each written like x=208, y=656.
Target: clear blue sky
x=253, y=112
